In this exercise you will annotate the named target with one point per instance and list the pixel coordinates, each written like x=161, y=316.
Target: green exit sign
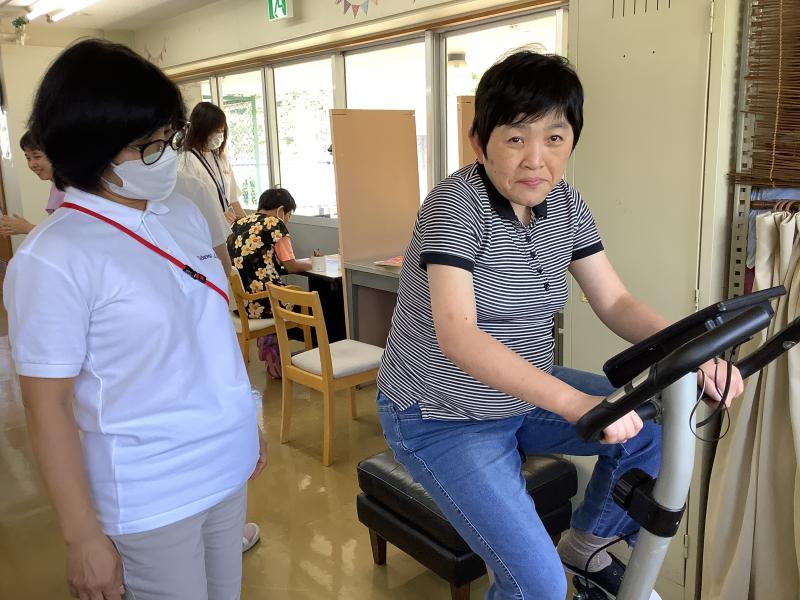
x=279, y=9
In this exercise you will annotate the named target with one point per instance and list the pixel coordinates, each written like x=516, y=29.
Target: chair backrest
x=237, y=299
x=293, y=307
x=237, y=287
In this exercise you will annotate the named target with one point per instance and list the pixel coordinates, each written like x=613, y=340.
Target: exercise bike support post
x=671, y=488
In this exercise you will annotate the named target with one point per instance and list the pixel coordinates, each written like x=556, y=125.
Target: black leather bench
x=397, y=509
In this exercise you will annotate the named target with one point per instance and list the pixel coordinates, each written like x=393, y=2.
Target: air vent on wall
x=629, y=8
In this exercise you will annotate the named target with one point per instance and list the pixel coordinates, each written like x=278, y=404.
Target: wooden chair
x=327, y=368
x=247, y=328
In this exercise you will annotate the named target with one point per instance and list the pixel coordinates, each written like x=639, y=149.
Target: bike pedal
x=585, y=590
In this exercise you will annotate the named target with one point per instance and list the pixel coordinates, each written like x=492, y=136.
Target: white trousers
x=199, y=558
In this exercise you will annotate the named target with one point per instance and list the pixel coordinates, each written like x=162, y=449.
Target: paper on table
x=395, y=261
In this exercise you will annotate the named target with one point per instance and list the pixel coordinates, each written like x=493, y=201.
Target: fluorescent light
x=71, y=9
x=42, y=7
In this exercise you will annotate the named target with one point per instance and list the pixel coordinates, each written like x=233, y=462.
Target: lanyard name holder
x=223, y=199
x=199, y=277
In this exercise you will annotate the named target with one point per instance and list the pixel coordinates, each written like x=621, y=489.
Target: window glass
x=471, y=52
x=242, y=98
x=303, y=98
x=392, y=78
x=194, y=92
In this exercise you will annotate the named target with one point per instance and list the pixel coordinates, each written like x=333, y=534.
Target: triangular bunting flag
x=365, y=7
x=355, y=10
x=346, y=6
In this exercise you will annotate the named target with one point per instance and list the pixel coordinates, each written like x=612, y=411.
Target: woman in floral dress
x=261, y=248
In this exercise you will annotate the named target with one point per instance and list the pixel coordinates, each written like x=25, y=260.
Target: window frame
x=434, y=39
x=216, y=93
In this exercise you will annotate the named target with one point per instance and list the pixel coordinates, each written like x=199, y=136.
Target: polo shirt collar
x=124, y=215
x=502, y=205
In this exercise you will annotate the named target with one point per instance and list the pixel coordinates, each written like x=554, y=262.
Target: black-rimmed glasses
x=153, y=150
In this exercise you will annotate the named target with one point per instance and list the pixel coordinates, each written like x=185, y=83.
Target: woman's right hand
x=623, y=429
x=94, y=569
x=618, y=432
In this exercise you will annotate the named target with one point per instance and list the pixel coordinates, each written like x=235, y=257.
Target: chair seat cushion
x=347, y=356
x=551, y=481
x=254, y=324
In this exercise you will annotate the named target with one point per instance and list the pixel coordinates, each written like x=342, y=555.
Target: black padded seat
x=397, y=509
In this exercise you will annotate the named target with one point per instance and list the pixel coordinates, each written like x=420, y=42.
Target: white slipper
x=253, y=540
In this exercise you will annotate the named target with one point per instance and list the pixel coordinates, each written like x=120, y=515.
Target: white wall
x=212, y=34
x=21, y=69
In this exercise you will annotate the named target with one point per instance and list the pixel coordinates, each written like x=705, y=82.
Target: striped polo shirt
x=519, y=277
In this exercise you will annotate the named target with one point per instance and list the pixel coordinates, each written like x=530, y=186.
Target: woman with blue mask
x=137, y=401
x=203, y=156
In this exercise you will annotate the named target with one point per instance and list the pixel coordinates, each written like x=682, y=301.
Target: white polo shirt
x=221, y=173
x=162, y=399
x=208, y=203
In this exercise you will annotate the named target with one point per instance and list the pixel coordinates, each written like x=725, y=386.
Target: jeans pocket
x=384, y=404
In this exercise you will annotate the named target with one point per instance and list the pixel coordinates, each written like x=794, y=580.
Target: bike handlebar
x=668, y=370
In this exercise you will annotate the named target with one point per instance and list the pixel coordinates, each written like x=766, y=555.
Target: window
x=242, y=99
x=392, y=78
x=194, y=92
x=303, y=99
x=470, y=53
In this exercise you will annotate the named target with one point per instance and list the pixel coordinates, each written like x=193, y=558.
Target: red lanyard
x=183, y=267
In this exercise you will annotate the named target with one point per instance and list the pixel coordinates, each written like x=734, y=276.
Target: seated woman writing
x=261, y=251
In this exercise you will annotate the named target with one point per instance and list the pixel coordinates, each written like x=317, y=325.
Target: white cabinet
x=649, y=165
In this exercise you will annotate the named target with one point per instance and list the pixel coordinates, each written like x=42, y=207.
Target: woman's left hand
x=14, y=225
x=714, y=376
x=262, y=455
x=231, y=217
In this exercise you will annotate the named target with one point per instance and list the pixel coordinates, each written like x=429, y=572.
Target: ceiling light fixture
x=42, y=7
x=72, y=8
x=56, y=9
x=457, y=59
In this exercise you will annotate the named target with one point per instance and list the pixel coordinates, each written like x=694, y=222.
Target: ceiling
x=116, y=14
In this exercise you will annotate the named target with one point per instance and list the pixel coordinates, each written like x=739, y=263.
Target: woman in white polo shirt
x=203, y=156
x=137, y=402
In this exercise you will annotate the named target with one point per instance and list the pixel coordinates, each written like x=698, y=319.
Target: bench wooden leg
x=460, y=592
x=378, y=548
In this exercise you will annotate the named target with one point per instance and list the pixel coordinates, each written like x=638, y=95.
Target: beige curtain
x=752, y=535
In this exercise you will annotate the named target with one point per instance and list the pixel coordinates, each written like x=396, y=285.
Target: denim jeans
x=471, y=469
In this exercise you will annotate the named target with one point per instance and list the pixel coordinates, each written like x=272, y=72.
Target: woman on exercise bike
x=468, y=374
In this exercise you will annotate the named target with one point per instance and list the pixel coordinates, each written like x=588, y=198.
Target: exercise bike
x=657, y=378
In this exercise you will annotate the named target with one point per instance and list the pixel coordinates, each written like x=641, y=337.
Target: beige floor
x=313, y=546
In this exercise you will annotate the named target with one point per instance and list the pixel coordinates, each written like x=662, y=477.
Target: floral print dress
x=258, y=245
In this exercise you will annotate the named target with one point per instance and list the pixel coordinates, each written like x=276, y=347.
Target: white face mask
x=215, y=141
x=147, y=182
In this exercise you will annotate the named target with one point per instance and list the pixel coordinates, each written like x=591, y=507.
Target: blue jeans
x=471, y=469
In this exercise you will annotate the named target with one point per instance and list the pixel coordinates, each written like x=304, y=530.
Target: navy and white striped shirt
x=519, y=278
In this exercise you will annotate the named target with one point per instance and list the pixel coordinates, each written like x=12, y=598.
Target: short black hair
x=529, y=85
x=96, y=98
x=205, y=119
x=277, y=198
x=28, y=143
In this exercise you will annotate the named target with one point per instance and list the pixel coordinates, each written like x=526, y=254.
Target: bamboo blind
x=772, y=94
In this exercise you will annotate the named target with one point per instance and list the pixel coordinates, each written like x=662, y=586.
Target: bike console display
x=626, y=365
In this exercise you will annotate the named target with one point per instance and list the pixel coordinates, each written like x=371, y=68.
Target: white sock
x=576, y=547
